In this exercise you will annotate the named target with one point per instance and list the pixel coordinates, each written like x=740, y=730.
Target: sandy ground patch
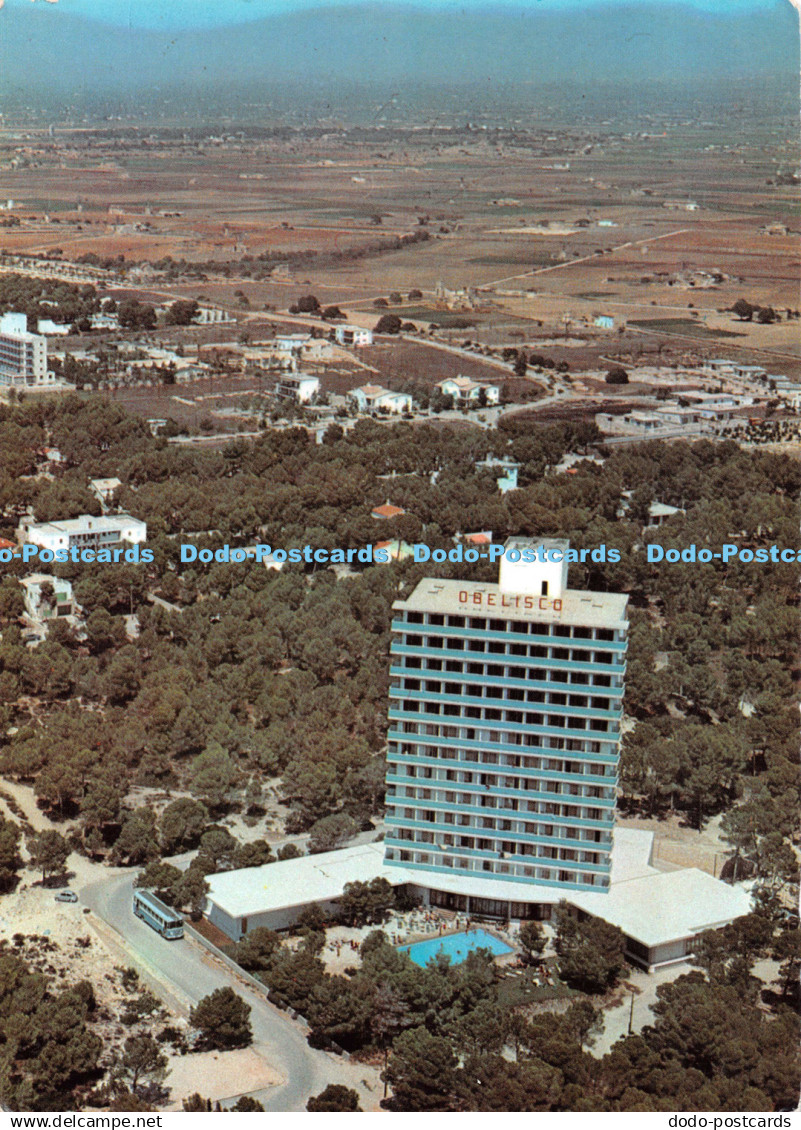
x=218, y=1075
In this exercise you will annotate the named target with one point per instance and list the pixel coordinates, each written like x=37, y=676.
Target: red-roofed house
x=387, y=511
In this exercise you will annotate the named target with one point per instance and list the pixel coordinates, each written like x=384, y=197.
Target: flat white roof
x=87, y=522
x=653, y=907
x=296, y=378
x=666, y=905
x=294, y=882
x=663, y=510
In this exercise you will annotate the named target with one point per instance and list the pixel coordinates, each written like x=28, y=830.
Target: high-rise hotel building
x=504, y=734
x=23, y=355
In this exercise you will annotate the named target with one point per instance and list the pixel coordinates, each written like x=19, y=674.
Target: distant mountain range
x=48, y=48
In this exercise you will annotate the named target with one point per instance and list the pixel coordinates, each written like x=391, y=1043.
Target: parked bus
x=162, y=918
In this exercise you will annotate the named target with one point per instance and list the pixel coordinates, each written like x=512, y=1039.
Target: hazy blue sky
x=210, y=13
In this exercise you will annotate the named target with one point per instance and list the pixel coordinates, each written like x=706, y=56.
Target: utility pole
x=631, y=1015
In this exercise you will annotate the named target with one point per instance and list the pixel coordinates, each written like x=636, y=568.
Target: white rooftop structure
x=63, y=603
x=659, y=912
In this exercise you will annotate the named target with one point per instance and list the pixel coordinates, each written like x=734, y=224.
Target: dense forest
x=245, y=675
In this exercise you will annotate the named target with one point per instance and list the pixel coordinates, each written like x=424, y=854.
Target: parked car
x=66, y=896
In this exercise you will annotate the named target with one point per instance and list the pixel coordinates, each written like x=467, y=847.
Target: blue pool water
x=456, y=946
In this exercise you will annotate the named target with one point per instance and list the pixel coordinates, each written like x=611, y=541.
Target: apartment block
x=23, y=355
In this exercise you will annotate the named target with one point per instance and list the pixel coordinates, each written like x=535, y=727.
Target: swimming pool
x=455, y=946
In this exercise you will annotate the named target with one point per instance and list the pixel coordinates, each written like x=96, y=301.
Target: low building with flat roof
x=660, y=913
x=103, y=489
x=290, y=343
x=41, y=604
x=353, y=335
x=300, y=387
x=386, y=511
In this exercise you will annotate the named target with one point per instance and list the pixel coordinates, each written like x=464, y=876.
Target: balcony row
x=460, y=697
x=562, y=666
x=531, y=630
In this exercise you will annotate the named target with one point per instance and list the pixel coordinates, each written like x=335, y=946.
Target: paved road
x=191, y=974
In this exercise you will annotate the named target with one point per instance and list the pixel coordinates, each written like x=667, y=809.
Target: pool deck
x=405, y=929
x=468, y=941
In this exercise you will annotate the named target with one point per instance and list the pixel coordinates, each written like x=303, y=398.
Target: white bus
x=163, y=919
